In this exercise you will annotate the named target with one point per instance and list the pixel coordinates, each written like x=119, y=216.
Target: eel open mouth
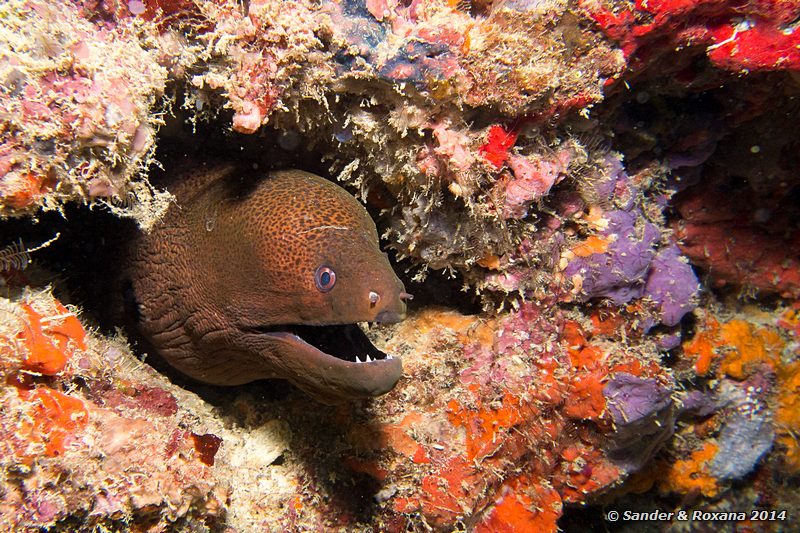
x=333, y=363
x=343, y=341
x=347, y=342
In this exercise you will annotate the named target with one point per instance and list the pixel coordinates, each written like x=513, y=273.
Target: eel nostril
x=406, y=296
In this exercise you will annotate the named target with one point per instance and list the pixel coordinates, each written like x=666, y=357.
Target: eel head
x=320, y=346
x=310, y=270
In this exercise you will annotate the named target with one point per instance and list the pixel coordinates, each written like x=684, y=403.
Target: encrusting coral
x=71, y=434
x=92, y=437
x=78, y=108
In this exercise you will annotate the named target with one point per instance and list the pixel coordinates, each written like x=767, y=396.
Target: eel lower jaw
x=334, y=363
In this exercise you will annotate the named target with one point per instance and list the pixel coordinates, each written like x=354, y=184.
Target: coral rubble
x=615, y=182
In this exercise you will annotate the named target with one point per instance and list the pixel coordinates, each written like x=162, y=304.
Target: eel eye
x=325, y=278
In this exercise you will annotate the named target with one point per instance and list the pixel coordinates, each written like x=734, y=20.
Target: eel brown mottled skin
x=241, y=267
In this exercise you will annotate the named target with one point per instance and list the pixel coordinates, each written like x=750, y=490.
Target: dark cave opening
x=81, y=262
x=730, y=147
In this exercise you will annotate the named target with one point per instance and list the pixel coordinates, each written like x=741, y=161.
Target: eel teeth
x=368, y=359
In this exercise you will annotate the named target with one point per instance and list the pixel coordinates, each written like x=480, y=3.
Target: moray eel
x=249, y=278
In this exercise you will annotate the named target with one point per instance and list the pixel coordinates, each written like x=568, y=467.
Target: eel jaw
x=334, y=363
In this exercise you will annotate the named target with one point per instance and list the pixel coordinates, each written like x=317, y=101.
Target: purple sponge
x=619, y=273
x=672, y=284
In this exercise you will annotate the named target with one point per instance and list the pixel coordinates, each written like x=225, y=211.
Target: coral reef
x=79, y=434
x=752, y=364
x=611, y=184
x=755, y=36
x=79, y=108
x=92, y=437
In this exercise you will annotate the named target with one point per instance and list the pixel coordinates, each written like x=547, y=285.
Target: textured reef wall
x=617, y=182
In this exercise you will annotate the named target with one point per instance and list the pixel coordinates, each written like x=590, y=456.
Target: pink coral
x=532, y=181
x=453, y=146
